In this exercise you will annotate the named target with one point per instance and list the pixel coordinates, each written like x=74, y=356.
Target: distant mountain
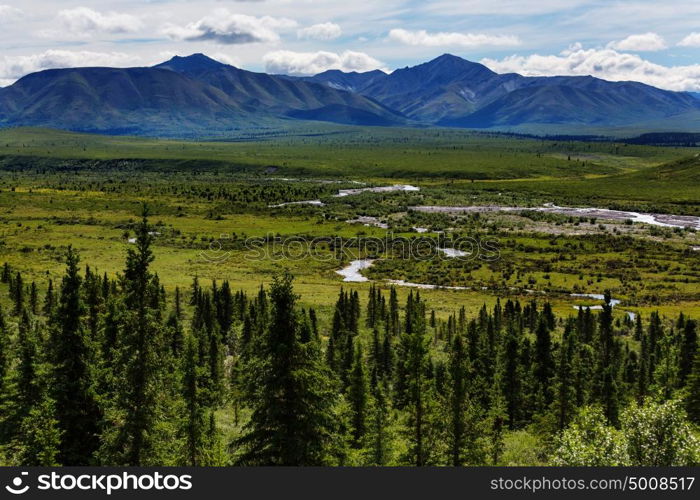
x=256, y=92
x=352, y=82
x=580, y=100
x=181, y=97
x=444, y=88
x=131, y=100
x=196, y=95
x=451, y=91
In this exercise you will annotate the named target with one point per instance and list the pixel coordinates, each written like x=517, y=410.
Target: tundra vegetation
x=137, y=326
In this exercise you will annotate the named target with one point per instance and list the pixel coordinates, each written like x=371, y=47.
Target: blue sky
x=650, y=41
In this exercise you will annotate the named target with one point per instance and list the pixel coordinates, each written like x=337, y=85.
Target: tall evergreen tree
x=379, y=438
x=608, y=364
x=564, y=403
x=4, y=349
x=17, y=290
x=28, y=383
x=194, y=422
x=689, y=347
x=40, y=436
x=509, y=375
x=71, y=355
x=692, y=400
x=33, y=298
x=290, y=391
x=358, y=397
x=461, y=426
x=543, y=363
x=420, y=399
x=49, y=300
x=139, y=365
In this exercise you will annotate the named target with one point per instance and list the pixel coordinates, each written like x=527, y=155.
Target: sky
x=643, y=40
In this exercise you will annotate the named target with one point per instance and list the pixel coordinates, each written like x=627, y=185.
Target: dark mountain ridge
x=184, y=96
x=197, y=95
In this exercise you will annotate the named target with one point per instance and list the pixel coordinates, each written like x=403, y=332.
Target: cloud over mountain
x=85, y=22
x=13, y=67
x=227, y=28
x=8, y=13
x=442, y=39
x=604, y=63
x=692, y=40
x=323, y=31
x=645, y=42
x=309, y=63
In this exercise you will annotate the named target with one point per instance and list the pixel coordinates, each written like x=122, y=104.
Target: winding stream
x=342, y=193
x=351, y=273
x=663, y=220
x=382, y=189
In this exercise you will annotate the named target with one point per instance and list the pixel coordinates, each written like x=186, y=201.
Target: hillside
x=198, y=96
x=185, y=96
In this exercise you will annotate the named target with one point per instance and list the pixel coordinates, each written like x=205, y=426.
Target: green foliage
x=71, y=353
x=133, y=415
x=590, y=442
x=654, y=434
x=358, y=396
x=657, y=434
x=40, y=438
x=290, y=391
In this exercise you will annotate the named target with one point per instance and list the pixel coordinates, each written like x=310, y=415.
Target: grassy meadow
x=229, y=211
x=59, y=188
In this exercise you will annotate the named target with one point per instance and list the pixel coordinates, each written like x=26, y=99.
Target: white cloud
x=501, y=7
x=311, y=63
x=324, y=31
x=645, y=42
x=425, y=39
x=14, y=67
x=82, y=21
x=606, y=63
x=226, y=28
x=9, y=13
x=692, y=40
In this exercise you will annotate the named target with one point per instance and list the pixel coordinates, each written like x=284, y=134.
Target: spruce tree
x=692, y=400
x=643, y=375
x=40, y=436
x=194, y=422
x=458, y=400
x=6, y=275
x=543, y=363
x=290, y=391
x=358, y=397
x=564, y=403
x=49, y=300
x=608, y=364
x=689, y=347
x=4, y=349
x=509, y=375
x=420, y=399
x=33, y=299
x=28, y=383
x=133, y=435
x=71, y=355
x=17, y=290
x=379, y=439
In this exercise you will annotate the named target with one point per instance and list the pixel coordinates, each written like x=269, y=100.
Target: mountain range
x=196, y=95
